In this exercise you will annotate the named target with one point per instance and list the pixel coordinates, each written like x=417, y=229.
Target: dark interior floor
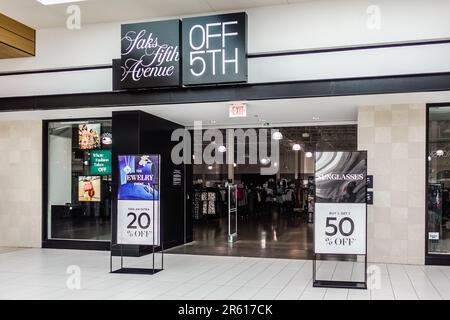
x=276, y=234
x=86, y=228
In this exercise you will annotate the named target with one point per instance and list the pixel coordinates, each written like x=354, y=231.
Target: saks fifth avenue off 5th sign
x=150, y=54
x=213, y=51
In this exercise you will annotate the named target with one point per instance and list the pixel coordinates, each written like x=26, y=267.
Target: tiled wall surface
x=394, y=136
x=20, y=183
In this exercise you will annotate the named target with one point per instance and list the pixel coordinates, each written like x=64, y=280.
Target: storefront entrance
x=275, y=211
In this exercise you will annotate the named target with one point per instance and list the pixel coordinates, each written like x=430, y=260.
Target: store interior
x=438, y=195
x=79, y=194
x=274, y=211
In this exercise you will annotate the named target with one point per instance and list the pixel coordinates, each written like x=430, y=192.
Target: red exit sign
x=238, y=110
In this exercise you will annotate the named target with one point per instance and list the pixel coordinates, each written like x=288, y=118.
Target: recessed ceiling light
x=316, y=118
x=305, y=135
x=51, y=2
x=277, y=135
x=296, y=147
x=222, y=149
x=308, y=154
x=210, y=167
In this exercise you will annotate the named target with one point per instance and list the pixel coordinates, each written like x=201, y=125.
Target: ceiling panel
x=297, y=1
x=326, y=110
x=7, y=52
x=39, y=16
x=16, y=39
x=219, y=5
x=259, y=113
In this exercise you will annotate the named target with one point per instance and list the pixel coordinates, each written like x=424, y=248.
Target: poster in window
x=100, y=162
x=89, y=136
x=138, y=216
x=89, y=188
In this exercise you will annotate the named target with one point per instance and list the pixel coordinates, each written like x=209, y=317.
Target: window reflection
x=79, y=180
x=438, y=199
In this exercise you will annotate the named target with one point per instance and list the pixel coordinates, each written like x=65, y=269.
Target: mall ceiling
x=313, y=138
x=39, y=16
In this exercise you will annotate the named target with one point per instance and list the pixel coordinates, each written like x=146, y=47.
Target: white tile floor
x=42, y=274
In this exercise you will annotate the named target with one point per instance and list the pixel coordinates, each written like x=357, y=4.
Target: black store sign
x=215, y=49
x=150, y=55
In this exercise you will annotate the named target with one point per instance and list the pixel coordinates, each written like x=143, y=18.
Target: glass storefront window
x=79, y=180
x=438, y=184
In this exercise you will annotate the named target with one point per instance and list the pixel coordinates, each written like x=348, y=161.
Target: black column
x=137, y=132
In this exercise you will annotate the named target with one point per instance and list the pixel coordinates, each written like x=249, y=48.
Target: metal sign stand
x=232, y=236
x=149, y=271
x=337, y=283
x=340, y=284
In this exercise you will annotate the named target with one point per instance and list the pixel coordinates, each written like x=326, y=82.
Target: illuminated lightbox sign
x=138, y=205
x=100, y=162
x=215, y=49
x=150, y=55
x=340, y=210
x=195, y=51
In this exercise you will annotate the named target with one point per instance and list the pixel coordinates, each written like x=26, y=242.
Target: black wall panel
x=137, y=132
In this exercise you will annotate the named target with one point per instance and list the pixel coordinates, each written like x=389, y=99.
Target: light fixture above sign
x=277, y=135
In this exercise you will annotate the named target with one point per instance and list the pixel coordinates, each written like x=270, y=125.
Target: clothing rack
x=208, y=202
